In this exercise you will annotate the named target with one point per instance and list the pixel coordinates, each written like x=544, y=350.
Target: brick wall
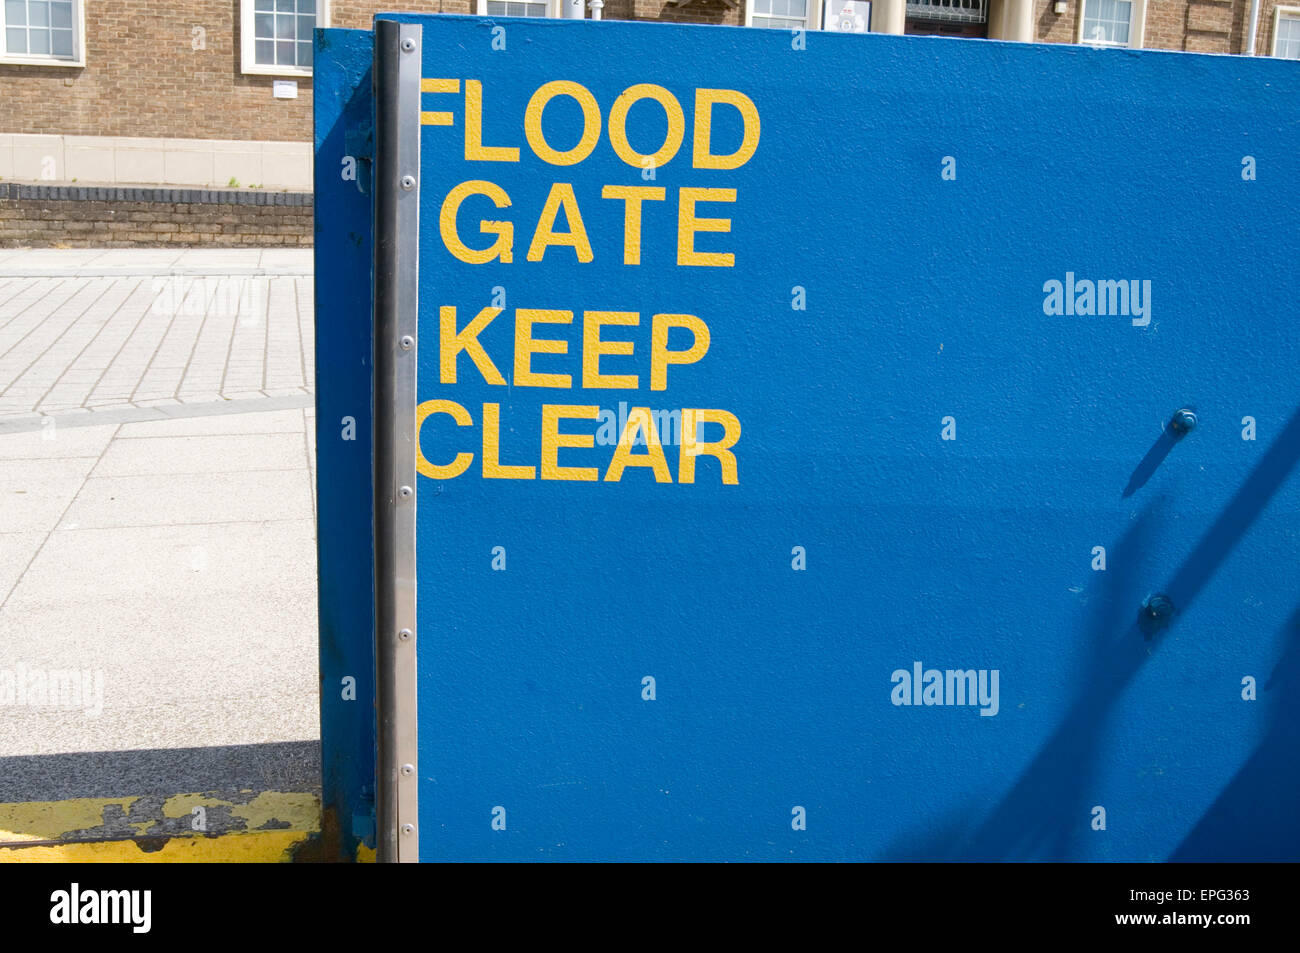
x=74, y=217
x=144, y=78
x=1197, y=26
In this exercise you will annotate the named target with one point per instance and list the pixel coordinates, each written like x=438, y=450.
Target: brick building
x=217, y=93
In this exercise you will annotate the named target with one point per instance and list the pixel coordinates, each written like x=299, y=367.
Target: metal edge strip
x=397, y=237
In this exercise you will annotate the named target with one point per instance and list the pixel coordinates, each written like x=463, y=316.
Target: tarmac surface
x=157, y=540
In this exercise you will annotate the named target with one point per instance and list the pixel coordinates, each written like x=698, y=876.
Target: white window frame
x=552, y=8
x=812, y=22
x=248, y=51
x=78, y=58
x=1291, y=13
x=1136, y=28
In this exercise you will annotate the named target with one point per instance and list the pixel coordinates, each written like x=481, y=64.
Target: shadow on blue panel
x=1029, y=823
x=1255, y=816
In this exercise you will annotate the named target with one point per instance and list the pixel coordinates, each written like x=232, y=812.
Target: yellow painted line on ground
x=257, y=847
x=248, y=827
x=48, y=820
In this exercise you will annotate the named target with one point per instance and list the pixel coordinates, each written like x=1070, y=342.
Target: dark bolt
x=1184, y=421
x=1158, y=608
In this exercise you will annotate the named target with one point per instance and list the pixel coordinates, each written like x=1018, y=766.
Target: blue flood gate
x=804, y=446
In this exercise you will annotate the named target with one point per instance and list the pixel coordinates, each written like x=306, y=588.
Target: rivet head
x=407, y=342
x=1184, y=421
x=408, y=182
x=405, y=492
x=408, y=770
x=1158, y=607
x=408, y=829
x=408, y=45
x=404, y=635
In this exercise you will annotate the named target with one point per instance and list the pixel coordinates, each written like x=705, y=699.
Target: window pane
x=1288, y=38
x=284, y=53
x=264, y=25
x=304, y=54
x=16, y=13
x=496, y=8
x=38, y=13
x=264, y=6
x=307, y=6
x=61, y=42
x=15, y=40
x=305, y=26
x=284, y=6
x=798, y=8
x=284, y=29
x=61, y=13
x=264, y=52
x=38, y=41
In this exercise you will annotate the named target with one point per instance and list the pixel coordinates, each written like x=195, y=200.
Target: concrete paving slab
x=16, y=551
x=35, y=493
x=190, y=498
x=187, y=563
x=276, y=421
x=194, y=454
x=52, y=441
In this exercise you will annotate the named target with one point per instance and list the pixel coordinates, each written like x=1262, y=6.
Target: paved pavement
x=157, y=525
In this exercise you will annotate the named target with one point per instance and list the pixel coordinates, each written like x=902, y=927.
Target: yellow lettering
x=553, y=440
x=475, y=151
x=704, y=102
x=661, y=357
x=691, y=447
x=462, y=418
x=492, y=467
x=639, y=418
x=633, y=196
x=688, y=224
x=618, y=126
x=504, y=231
x=590, y=122
x=438, y=86
x=526, y=346
x=451, y=343
x=561, y=196
x=593, y=347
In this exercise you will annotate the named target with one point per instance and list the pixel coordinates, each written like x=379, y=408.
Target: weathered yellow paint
x=267, y=829
x=300, y=811
x=182, y=805
x=266, y=847
x=365, y=855
x=50, y=820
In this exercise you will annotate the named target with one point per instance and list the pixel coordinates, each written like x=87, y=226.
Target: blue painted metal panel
x=926, y=429
x=344, y=110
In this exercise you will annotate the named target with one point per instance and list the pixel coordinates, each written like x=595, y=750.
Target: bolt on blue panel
x=853, y=447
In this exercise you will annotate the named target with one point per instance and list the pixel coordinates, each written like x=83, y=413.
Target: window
x=1286, y=33
x=517, y=8
x=275, y=35
x=42, y=32
x=1112, y=22
x=514, y=8
x=960, y=11
x=779, y=14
